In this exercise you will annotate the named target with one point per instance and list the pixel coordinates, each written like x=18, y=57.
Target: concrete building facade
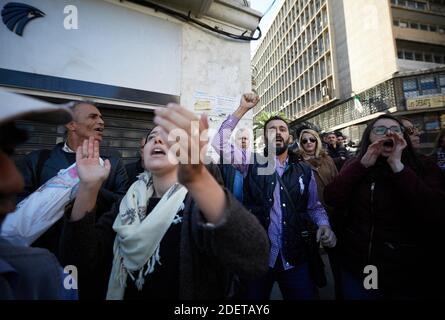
x=374, y=48
x=128, y=57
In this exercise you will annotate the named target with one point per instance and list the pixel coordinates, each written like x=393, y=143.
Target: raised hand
x=395, y=158
x=178, y=121
x=249, y=100
x=91, y=172
x=373, y=152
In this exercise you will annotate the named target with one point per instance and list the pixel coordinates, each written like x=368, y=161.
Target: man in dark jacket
x=280, y=211
x=336, y=151
x=25, y=273
x=135, y=168
x=41, y=165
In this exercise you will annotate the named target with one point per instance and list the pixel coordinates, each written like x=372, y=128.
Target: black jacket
x=208, y=256
x=112, y=190
x=258, y=198
x=388, y=220
x=133, y=170
x=339, y=155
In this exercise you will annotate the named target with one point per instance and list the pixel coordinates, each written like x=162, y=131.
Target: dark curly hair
x=409, y=156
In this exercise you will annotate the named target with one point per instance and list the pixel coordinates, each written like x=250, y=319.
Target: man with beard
x=278, y=198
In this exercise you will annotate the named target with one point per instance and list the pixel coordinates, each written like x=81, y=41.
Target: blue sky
x=266, y=21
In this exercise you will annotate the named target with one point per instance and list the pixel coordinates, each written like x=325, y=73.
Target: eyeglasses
x=304, y=141
x=412, y=131
x=381, y=130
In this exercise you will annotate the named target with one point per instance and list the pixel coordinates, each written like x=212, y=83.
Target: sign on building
x=425, y=103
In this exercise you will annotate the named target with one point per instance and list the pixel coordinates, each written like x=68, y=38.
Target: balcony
x=416, y=35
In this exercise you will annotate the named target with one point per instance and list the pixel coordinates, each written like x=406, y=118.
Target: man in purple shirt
x=277, y=209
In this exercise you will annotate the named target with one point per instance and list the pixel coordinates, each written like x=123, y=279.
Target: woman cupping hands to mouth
x=386, y=140
x=388, y=204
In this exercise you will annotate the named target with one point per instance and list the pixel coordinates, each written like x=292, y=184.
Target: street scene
x=228, y=151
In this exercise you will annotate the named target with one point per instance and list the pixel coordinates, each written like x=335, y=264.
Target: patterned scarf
x=136, y=246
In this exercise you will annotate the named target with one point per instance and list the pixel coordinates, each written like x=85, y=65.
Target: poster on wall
x=220, y=106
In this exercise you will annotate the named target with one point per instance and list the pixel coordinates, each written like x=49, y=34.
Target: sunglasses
x=304, y=141
x=381, y=130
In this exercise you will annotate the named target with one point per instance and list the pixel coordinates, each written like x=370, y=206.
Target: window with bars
x=428, y=85
x=410, y=88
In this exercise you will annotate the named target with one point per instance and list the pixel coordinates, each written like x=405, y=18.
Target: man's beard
x=279, y=150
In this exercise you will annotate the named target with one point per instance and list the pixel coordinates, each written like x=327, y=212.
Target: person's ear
x=70, y=126
x=291, y=138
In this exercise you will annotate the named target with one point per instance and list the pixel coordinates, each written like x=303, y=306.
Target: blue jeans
x=353, y=289
x=295, y=284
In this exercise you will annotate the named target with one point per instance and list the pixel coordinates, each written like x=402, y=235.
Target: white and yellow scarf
x=136, y=245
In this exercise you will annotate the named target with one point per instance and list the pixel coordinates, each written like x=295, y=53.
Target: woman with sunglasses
x=390, y=203
x=176, y=234
x=311, y=151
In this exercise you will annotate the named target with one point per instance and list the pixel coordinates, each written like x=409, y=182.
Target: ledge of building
x=226, y=11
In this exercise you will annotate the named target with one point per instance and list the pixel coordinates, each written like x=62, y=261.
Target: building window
x=420, y=5
x=442, y=83
x=438, y=58
x=411, y=4
x=428, y=85
x=418, y=56
x=410, y=88
x=423, y=27
x=409, y=55
x=428, y=57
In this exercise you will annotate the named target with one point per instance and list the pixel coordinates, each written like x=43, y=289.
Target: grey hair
x=73, y=104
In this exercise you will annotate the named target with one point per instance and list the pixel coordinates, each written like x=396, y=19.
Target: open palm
x=89, y=169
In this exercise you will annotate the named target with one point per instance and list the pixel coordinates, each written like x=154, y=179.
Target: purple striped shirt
x=234, y=155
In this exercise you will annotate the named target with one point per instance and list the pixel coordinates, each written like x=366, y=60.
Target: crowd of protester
x=165, y=227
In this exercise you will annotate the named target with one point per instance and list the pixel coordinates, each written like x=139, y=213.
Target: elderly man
x=25, y=273
x=233, y=178
x=41, y=165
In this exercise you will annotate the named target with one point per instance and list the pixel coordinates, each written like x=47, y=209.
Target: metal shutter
x=123, y=130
